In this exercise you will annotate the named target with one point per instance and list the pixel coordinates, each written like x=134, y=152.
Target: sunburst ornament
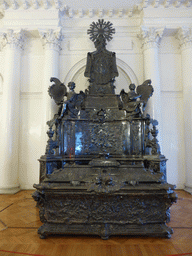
x=101, y=28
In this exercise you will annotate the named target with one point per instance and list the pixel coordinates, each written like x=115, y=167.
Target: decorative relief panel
x=130, y=210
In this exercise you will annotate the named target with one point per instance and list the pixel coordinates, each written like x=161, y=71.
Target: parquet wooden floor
x=19, y=221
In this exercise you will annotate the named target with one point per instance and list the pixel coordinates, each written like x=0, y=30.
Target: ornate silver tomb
x=103, y=172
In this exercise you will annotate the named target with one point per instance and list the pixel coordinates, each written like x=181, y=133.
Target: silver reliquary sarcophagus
x=103, y=172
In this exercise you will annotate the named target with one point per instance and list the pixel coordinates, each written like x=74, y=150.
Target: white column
x=150, y=44
x=9, y=138
x=185, y=37
x=51, y=42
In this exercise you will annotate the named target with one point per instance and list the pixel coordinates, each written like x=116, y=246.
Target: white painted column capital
x=150, y=37
x=185, y=37
x=12, y=39
x=51, y=39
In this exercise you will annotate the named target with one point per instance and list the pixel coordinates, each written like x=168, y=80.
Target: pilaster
x=185, y=39
x=51, y=40
x=12, y=42
x=150, y=38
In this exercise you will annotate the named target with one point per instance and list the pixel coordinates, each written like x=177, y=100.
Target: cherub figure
x=58, y=91
x=132, y=95
x=130, y=100
x=71, y=92
x=130, y=103
x=70, y=102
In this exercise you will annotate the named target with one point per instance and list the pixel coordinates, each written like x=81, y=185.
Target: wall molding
x=172, y=94
x=71, y=12
x=31, y=95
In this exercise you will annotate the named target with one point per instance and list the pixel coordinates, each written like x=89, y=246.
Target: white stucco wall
x=75, y=45
x=172, y=110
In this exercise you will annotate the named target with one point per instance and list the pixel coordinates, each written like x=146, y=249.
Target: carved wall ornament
x=189, y=3
x=5, y=5
x=150, y=36
x=35, y=4
x=167, y=3
x=51, y=38
x=26, y=4
x=184, y=35
x=156, y=3
x=70, y=12
x=58, y=4
x=14, y=4
x=14, y=39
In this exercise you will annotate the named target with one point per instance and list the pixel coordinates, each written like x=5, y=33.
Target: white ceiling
x=105, y=4
x=117, y=4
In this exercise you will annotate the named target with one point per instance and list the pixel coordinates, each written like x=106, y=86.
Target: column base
x=9, y=190
x=188, y=189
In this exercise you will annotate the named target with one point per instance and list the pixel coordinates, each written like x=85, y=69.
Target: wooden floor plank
x=19, y=213
x=144, y=249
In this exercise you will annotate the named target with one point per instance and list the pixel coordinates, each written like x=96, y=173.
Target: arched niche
x=126, y=76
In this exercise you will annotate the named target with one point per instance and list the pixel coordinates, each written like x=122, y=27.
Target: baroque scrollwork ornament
x=103, y=172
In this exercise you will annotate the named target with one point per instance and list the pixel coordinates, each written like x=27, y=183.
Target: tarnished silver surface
x=103, y=172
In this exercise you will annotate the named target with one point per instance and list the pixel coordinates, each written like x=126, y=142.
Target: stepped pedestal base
x=134, y=210
x=105, y=230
